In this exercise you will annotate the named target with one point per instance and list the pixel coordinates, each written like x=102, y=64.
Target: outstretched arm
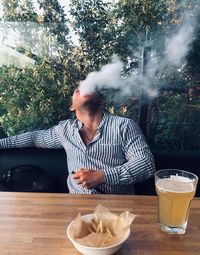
x=41, y=138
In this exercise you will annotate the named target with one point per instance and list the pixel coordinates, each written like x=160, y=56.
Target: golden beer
x=174, y=200
x=175, y=190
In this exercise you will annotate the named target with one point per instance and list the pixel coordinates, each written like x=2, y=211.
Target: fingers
x=84, y=184
x=88, y=178
x=81, y=178
x=80, y=172
x=76, y=176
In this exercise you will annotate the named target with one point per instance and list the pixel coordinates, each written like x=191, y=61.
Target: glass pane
x=174, y=120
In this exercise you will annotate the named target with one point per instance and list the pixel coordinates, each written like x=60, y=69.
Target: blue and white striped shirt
x=118, y=149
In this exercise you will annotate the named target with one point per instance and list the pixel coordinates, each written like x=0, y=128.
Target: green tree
x=41, y=96
x=34, y=99
x=92, y=22
x=123, y=28
x=53, y=18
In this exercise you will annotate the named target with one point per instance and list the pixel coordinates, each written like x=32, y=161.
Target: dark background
x=53, y=163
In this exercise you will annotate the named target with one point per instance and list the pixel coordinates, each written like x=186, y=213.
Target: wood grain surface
x=36, y=223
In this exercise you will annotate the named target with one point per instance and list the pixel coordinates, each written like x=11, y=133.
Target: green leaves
x=40, y=97
x=32, y=99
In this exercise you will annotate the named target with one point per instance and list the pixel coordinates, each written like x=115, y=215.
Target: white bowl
x=86, y=250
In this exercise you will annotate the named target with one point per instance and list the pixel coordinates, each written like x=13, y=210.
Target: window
x=147, y=53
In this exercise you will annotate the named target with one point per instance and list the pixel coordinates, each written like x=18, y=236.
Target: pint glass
x=175, y=190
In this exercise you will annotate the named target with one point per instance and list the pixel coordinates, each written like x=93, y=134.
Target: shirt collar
x=103, y=121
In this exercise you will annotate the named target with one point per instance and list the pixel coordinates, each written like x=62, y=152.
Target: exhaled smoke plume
x=108, y=77
x=176, y=50
x=178, y=46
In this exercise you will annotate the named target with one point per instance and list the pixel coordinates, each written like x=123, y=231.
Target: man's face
x=81, y=102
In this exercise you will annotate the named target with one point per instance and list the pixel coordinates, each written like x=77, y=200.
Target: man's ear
x=71, y=108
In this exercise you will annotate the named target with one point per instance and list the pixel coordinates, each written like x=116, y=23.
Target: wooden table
x=35, y=224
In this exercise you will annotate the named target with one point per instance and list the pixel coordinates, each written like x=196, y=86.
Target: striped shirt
x=118, y=149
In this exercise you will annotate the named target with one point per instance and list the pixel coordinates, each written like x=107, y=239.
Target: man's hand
x=89, y=178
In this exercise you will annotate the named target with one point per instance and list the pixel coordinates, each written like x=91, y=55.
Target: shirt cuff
x=111, y=176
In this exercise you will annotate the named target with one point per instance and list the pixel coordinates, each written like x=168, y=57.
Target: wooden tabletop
x=36, y=223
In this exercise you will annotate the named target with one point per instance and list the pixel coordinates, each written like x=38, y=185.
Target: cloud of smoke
x=108, y=77
x=178, y=46
x=176, y=49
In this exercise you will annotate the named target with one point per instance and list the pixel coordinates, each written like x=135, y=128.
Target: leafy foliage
x=92, y=21
x=174, y=121
x=30, y=99
x=40, y=97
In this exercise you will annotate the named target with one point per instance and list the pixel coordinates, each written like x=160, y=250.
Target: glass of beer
x=175, y=190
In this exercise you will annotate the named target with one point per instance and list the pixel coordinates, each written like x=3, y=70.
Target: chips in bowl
x=100, y=233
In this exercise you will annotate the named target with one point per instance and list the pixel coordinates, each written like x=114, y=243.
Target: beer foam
x=175, y=183
x=179, y=178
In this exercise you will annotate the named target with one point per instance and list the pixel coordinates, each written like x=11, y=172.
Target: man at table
x=105, y=153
